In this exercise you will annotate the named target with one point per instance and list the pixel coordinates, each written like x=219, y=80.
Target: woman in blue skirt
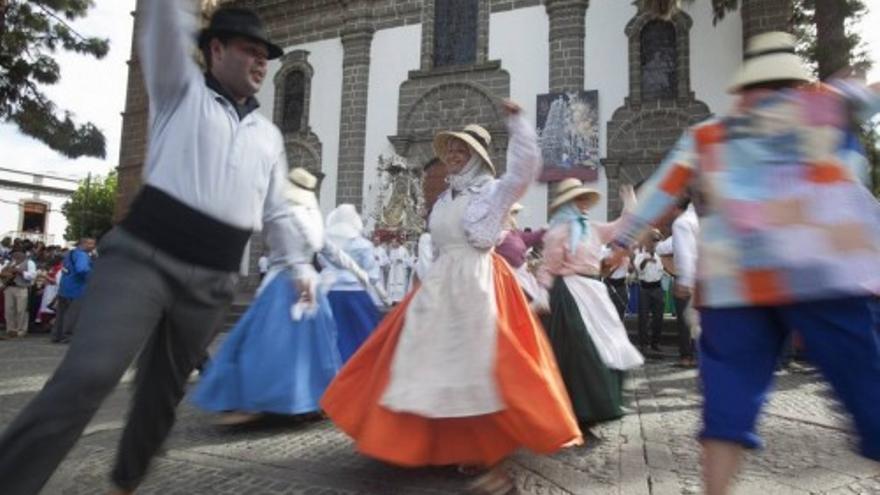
x=282, y=354
x=355, y=312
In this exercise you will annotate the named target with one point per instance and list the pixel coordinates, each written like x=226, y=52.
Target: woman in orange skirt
x=461, y=372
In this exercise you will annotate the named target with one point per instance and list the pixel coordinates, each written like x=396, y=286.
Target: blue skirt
x=270, y=363
x=356, y=317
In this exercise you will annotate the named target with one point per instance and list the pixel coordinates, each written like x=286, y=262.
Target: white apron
x=603, y=323
x=443, y=366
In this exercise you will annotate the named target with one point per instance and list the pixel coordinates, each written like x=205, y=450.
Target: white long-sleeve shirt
x=685, y=231
x=201, y=153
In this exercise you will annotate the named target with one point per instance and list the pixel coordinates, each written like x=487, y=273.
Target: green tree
x=90, y=210
x=31, y=33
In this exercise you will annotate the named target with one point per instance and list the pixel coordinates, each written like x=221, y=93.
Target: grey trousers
x=138, y=299
x=67, y=311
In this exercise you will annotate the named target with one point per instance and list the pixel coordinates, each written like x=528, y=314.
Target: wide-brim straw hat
x=571, y=188
x=476, y=137
x=302, y=187
x=344, y=223
x=770, y=57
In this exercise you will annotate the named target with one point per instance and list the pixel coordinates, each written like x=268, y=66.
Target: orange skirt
x=537, y=415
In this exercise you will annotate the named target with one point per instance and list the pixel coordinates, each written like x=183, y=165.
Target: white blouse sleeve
x=484, y=218
x=306, y=239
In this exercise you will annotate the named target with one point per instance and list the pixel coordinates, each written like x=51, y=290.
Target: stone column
x=567, y=32
x=567, y=43
x=761, y=16
x=133, y=145
x=356, y=39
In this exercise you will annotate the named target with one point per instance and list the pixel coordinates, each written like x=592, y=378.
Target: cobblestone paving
x=809, y=446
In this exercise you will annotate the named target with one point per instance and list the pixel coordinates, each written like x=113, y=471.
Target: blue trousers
x=740, y=348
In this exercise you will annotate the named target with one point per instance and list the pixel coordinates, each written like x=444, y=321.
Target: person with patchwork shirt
x=789, y=238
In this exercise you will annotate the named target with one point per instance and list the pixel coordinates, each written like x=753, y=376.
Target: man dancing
x=215, y=172
x=780, y=173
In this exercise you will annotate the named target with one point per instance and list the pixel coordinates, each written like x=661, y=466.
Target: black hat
x=239, y=22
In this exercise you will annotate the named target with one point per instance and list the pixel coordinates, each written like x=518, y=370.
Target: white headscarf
x=474, y=173
x=343, y=224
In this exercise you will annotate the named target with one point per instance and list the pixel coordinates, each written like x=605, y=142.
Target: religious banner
x=568, y=134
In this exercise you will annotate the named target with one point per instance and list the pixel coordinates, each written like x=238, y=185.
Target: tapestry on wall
x=568, y=133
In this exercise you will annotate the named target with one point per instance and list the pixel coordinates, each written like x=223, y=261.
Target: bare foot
x=494, y=482
x=236, y=418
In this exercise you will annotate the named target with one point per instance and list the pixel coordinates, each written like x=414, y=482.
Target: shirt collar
x=243, y=109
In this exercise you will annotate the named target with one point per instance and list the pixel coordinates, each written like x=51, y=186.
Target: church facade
x=610, y=86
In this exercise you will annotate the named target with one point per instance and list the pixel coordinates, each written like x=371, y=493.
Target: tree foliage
x=90, y=210
x=31, y=34
x=829, y=41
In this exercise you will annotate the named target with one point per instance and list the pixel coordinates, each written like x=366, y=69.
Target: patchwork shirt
x=784, y=216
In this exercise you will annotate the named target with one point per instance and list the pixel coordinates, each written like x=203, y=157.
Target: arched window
x=292, y=90
x=659, y=60
x=294, y=101
x=455, y=32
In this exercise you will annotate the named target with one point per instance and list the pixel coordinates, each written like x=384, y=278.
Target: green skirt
x=596, y=391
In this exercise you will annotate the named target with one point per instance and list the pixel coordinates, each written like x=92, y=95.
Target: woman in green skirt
x=590, y=342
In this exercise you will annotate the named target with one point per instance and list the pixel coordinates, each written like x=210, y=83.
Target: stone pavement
x=651, y=451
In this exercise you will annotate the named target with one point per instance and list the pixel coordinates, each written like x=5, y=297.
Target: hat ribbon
x=769, y=51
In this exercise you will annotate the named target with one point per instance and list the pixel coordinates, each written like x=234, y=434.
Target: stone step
x=236, y=311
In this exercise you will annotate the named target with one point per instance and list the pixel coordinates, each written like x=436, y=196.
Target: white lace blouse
x=490, y=202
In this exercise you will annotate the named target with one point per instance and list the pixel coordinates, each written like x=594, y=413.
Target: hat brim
x=300, y=196
x=206, y=34
x=442, y=139
x=768, y=68
x=574, y=193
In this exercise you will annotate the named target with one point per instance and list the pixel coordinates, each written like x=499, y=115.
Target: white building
x=30, y=205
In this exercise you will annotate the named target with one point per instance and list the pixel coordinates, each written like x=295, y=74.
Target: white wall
x=325, y=105
x=520, y=39
x=11, y=201
x=716, y=54
x=393, y=53
x=606, y=69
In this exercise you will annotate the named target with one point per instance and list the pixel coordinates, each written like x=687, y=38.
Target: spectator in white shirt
x=21, y=273
x=685, y=230
x=263, y=266
x=615, y=278
x=651, y=297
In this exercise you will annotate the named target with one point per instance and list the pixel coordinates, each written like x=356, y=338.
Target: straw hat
x=516, y=208
x=571, y=188
x=344, y=223
x=476, y=137
x=302, y=187
x=770, y=57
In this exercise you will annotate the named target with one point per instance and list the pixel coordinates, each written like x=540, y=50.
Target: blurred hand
x=682, y=291
x=306, y=288
x=628, y=196
x=510, y=108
